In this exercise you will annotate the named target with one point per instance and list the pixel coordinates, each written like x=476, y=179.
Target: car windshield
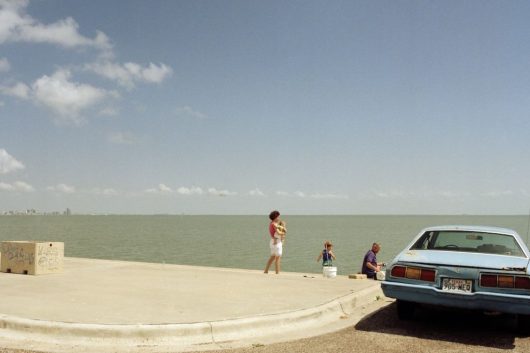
x=488, y=243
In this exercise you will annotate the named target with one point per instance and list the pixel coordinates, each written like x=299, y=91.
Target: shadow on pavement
x=459, y=326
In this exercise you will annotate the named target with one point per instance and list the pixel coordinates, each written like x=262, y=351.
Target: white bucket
x=380, y=276
x=329, y=271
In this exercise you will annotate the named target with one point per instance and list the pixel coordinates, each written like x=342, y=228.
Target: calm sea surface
x=233, y=241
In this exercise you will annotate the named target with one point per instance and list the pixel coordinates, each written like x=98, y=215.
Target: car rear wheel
x=523, y=324
x=405, y=309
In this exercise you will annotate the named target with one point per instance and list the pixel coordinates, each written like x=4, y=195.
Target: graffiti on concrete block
x=17, y=254
x=49, y=257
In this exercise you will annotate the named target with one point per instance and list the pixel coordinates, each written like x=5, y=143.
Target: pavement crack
x=211, y=333
x=342, y=308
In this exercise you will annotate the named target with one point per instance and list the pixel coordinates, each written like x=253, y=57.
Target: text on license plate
x=456, y=285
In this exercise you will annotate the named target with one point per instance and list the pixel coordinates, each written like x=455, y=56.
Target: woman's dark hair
x=273, y=215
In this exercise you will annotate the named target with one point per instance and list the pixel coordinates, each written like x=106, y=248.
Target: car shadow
x=451, y=325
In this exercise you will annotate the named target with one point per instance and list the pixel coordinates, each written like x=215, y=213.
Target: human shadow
x=460, y=326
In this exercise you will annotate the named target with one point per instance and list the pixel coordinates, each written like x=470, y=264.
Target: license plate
x=456, y=285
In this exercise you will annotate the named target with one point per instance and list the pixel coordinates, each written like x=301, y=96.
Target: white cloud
x=64, y=188
x=16, y=186
x=215, y=192
x=122, y=138
x=421, y=194
x=164, y=188
x=300, y=194
x=256, y=192
x=160, y=189
x=17, y=26
x=498, y=193
x=8, y=163
x=327, y=196
x=4, y=65
x=105, y=192
x=188, y=112
x=22, y=186
x=194, y=190
x=18, y=90
x=61, y=95
x=303, y=195
x=128, y=74
x=65, y=97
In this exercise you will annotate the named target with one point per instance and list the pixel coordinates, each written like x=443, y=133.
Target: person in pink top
x=277, y=235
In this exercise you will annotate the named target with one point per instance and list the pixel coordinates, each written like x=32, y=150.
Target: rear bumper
x=506, y=303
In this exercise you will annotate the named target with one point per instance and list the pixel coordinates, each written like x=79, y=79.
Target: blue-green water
x=233, y=241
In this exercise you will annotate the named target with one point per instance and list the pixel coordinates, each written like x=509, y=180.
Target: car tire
x=405, y=309
x=523, y=324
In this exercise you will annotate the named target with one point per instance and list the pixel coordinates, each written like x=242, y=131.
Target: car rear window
x=479, y=242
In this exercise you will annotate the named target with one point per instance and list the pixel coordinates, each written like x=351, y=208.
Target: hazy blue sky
x=239, y=107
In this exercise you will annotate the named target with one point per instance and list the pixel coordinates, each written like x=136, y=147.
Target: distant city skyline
x=241, y=107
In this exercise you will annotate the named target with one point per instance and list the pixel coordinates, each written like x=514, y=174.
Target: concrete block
x=357, y=276
x=31, y=257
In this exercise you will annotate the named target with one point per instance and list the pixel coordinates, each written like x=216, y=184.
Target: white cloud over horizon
x=18, y=90
x=65, y=97
x=104, y=191
x=160, y=189
x=437, y=194
x=128, y=74
x=194, y=190
x=8, y=163
x=314, y=195
x=189, y=113
x=68, y=100
x=57, y=92
x=16, y=186
x=222, y=193
x=256, y=192
x=62, y=188
x=17, y=26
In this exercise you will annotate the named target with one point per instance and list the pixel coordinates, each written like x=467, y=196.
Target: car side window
x=424, y=242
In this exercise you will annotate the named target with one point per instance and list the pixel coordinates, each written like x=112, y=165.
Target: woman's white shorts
x=276, y=249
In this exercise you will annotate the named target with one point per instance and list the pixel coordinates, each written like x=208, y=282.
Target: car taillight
x=522, y=282
x=488, y=281
x=418, y=273
x=413, y=273
x=398, y=271
x=427, y=275
x=504, y=281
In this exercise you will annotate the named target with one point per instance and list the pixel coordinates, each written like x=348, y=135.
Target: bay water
x=234, y=241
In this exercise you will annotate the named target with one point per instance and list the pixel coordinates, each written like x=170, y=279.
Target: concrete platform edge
x=182, y=337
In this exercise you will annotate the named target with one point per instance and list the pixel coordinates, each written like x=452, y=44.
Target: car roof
x=471, y=228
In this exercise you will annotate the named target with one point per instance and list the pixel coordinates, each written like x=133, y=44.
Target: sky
x=241, y=107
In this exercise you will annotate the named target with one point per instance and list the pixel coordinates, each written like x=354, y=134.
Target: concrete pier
x=101, y=305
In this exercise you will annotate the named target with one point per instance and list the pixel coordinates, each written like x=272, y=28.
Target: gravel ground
x=431, y=331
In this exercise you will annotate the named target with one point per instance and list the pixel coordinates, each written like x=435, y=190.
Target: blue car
x=471, y=267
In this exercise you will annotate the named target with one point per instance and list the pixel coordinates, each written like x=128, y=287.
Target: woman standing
x=277, y=232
